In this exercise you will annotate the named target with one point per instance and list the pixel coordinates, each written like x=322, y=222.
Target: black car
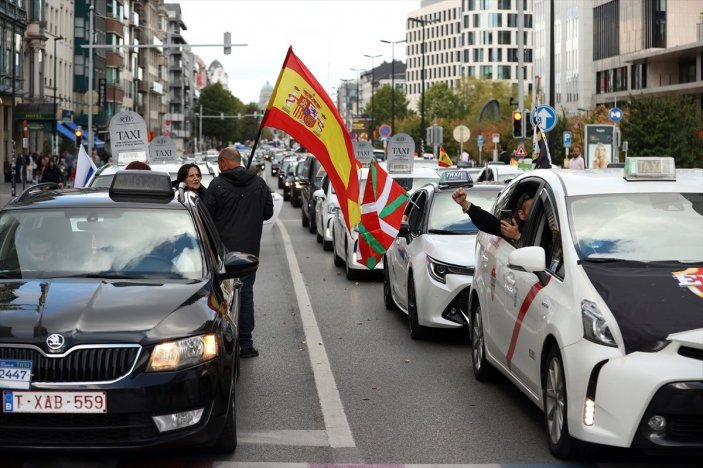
x=297, y=186
x=311, y=180
x=283, y=173
x=115, y=338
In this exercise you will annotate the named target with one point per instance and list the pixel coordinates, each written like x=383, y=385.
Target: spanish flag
x=444, y=159
x=300, y=107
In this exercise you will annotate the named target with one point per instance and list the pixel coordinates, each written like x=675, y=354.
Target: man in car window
x=239, y=202
x=508, y=227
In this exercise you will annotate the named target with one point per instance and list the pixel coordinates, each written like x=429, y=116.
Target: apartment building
x=13, y=23
x=152, y=88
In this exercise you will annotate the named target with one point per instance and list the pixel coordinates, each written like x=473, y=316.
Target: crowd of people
x=37, y=168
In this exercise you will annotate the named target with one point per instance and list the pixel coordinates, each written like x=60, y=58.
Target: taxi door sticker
x=536, y=288
x=691, y=278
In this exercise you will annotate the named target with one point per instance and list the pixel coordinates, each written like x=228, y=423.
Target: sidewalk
x=6, y=191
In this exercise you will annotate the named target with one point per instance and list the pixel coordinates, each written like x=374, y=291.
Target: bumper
x=128, y=423
x=443, y=305
x=629, y=390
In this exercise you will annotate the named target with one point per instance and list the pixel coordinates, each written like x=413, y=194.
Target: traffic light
x=528, y=124
x=228, y=43
x=79, y=137
x=517, y=124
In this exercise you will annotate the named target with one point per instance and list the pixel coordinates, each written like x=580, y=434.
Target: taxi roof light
x=650, y=168
x=141, y=186
x=455, y=178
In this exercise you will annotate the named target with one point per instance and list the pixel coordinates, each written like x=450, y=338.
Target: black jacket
x=484, y=220
x=239, y=202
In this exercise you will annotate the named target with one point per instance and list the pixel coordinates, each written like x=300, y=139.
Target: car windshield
x=99, y=243
x=104, y=181
x=646, y=227
x=446, y=216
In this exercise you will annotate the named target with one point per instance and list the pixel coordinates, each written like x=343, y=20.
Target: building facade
x=181, y=86
x=13, y=23
x=216, y=74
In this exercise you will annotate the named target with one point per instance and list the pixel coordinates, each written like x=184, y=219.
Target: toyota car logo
x=55, y=342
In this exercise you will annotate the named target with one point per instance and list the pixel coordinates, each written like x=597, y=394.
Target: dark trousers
x=246, y=311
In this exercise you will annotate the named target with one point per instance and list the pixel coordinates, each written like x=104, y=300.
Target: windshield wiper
x=604, y=260
x=446, y=231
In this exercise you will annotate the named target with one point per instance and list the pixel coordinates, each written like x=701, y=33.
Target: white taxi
x=428, y=269
x=596, y=312
x=344, y=242
x=326, y=205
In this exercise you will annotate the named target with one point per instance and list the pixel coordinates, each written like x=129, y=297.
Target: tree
x=382, y=105
x=441, y=102
x=665, y=126
x=216, y=100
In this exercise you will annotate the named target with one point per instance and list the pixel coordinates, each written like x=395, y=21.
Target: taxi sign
x=138, y=185
x=15, y=374
x=454, y=178
x=650, y=168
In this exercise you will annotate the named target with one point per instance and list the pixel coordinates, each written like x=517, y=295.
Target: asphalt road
x=340, y=381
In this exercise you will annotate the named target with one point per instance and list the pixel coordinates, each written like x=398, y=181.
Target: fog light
x=589, y=412
x=170, y=422
x=657, y=424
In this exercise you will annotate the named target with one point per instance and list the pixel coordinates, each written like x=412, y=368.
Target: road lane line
x=336, y=424
x=298, y=438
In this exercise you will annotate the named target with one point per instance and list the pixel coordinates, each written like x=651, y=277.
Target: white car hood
x=453, y=249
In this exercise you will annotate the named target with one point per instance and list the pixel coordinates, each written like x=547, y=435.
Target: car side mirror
x=404, y=230
x=530, y=259
x=238, y=264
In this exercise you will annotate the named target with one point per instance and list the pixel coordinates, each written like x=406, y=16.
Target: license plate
x=54, y=402
x=15, y=374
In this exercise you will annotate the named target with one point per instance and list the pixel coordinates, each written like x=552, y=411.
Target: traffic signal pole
x=521, y=66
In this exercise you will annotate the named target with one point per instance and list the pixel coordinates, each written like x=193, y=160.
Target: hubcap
x=477, y=340
x=555, y=403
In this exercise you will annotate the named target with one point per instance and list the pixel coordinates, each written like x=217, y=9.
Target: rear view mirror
x=238, y=264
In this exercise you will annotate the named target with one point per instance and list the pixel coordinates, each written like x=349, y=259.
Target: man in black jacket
x=507, y=228
x=239, y=202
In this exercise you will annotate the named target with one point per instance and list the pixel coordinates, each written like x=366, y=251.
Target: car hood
x=650, y=301
x=87, y=310
x=455, y=249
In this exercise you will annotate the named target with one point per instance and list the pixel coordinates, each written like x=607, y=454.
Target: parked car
x=344, y=241
x=283, y=173
x=595, y=312
x=126, y=337
x=311, y=180
x=429, y=268
x=297, y=185
x=499, y=173
x=289, y=184
x=325, y=208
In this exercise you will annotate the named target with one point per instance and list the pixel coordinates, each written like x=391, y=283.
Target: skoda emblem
x=55, y=342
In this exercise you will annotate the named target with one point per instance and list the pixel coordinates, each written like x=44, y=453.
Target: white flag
x=85, y=168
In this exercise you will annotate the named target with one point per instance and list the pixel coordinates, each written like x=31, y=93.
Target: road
x=340, y=381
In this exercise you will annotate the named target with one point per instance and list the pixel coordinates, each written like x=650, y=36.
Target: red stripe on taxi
x=537, y=287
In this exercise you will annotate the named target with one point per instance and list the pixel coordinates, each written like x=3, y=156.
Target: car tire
x=351, y=273
x=227, y=440
x=318, y=237
x=304, y=219
x=387, y=294
x=313, y=222
x=483, y=370
x=417, y=331
x=554, y=396
x=286, y=196
x=337, y=259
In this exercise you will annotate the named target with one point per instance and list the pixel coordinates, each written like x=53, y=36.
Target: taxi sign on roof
x=650, y=168
x=448, y=178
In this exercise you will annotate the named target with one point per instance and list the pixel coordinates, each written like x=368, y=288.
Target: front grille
x=685, y=428
x=692, y=353
x=79, y=365
x=57, y=430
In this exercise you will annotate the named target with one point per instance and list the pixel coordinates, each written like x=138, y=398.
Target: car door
x=534, y=302
x=403, y=255
x=321, y=206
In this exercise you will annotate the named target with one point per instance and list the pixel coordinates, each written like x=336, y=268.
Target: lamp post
x=393, y=43
x=422, y=22
x=373, y=78
x=55, y=142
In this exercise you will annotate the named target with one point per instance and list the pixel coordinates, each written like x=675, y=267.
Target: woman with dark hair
x=52, y=172
x=190, y=175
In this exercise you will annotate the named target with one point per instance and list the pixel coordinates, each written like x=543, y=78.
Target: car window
x=410, y=184
x=447, y=218
x=417, y=214
x=545, y=233
x=644, y=227
x=90, y=241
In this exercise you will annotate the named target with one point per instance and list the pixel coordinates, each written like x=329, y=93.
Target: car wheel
x=311, y=216
x=554, y=396
x=304, y=219
x=227, y=441
x=337, y=259
x=387, y=294
x=483, y=370
x=326, y=245
x=286, y=196
x=417, y=331
x=351, y=274
x=318, y=237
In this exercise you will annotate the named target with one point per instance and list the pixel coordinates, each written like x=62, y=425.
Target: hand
x=509, y=229
x=459, y=197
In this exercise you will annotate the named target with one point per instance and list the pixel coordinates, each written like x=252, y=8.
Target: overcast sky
x=329, y=36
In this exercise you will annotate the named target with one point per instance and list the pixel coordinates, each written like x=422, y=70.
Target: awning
x=68, y=129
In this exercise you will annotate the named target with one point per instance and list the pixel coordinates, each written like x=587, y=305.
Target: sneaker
x=248, y=352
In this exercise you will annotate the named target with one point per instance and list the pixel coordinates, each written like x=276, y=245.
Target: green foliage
x=382, y=106
x=216, y=100
x=441, y=102
x=665, y=126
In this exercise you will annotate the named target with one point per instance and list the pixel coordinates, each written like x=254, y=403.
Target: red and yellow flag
x=300, y=107
x=444, y=159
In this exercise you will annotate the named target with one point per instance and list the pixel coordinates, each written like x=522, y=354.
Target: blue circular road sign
x=615, y=114
x=547, y=117
x=385, y=130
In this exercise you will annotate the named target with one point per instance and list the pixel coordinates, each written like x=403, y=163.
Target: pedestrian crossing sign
x=520, y=151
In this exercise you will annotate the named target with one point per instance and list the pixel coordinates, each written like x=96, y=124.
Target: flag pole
x=253, y=148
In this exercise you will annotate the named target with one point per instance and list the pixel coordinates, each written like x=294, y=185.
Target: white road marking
x=336, y=424
x=232, y=464
x=286, y=438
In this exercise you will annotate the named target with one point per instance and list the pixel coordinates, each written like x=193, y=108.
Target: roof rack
x=43, y=187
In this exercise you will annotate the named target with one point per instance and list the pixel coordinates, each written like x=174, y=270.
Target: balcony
x=114, y=60
x=177, y=117
x=143, y=86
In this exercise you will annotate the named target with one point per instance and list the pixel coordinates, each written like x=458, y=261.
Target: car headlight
x=595, y=328
x=298, y=185
x=288, y=184
x=439, y=270
x=173, y=355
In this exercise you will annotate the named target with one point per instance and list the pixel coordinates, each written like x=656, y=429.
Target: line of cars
x=594, y=313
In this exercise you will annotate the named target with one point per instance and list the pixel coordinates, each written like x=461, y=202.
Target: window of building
x=467, y=57
x=528, y=56
x=495, y=20
x=471, y=71
x=512, y=55
x=606, y=30
x=654, y=18
x=478, y=55
x=512, y=20
x=687, y=70
x=503, y=72
x=477, y=20
x=528, y=21
x=638, y=73
x=486, y=38
x=470, y=5
x=471, y=38
x=487, y=72
x=504, y=4
x=503, y=37
x=486, y=4
x=495, y=54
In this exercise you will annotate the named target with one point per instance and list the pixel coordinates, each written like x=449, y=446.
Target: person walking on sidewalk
x=239, y=202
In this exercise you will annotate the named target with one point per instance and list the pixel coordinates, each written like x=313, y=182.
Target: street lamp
x=393, y=43
x=55, y=142
x=373, y=78
x=423, y=22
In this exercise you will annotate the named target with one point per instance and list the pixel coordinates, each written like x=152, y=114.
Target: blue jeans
x=246, y=311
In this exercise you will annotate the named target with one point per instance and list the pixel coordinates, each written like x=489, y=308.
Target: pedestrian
x=138, y=165
x=503, y=154
x=191, y=176
x=52, y=172
x=68, y=158
x=577, y=161
x=239, y=202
